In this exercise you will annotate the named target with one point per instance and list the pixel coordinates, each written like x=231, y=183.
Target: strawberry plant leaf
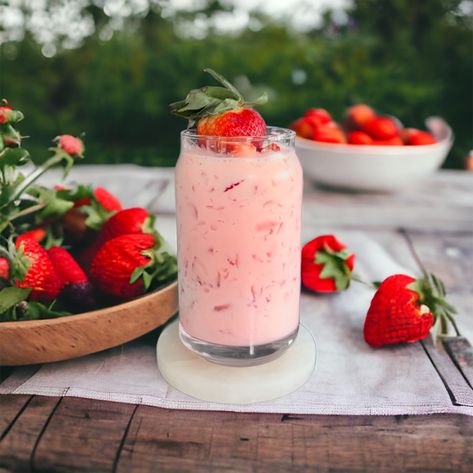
x=36, y=310
x=136, y=274
x=13, y=157
x=11, y=296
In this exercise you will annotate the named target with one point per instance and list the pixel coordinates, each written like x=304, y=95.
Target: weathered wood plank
x=10, y=408
x=17, y=446
x=170, y=440
x=449, y=256
x=82, y=435
x=441, y=203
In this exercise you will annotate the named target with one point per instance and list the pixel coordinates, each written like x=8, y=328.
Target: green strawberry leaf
x=11, y=296
x=137, y=274
x=96, y=215
x=36, y=310
x=13, y=157
x=334, y=267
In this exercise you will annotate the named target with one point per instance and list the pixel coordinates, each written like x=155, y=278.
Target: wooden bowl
x=42, y=341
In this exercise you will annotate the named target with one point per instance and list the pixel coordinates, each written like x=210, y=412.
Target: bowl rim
x=17, y=324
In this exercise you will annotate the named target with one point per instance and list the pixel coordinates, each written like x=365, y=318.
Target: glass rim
x=273, y=134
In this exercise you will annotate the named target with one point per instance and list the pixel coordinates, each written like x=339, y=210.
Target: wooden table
x=433, y=222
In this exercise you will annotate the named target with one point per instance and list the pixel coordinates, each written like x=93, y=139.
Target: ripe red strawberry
x=358, y=115
x=4, y=113
x=117, y=261
x=76, y=288
x=303, y=128
x=37, y=234
x=320, y=114
x=381, y=128
x=221, y=110
x=40, y=274
x=329, y=134
x=128, y=221
x=359, y=138
x=413, y=137
x=404, y=309
x=327, y=265
x=4, y=268
x=71, y=145
x=66, y=266
x=242, y=122
x=107, y=200
x=395, y=141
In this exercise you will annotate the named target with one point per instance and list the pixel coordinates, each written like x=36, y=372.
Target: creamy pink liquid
x=238, y=246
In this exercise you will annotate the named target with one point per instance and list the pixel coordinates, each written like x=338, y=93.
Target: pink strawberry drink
x=238, y=222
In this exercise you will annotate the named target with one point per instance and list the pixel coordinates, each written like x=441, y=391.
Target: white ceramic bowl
x=374, y=168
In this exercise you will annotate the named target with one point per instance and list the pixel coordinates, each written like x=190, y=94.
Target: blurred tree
x=406, y=58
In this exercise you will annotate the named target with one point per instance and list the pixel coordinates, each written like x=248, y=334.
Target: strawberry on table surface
x=327, y=265
x=404, y=309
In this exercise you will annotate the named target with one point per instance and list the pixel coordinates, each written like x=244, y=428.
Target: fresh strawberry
x=118, y=260
x=4, y=269
x=36, y=271
x=329, y=134
x=327, y=265
x=128, y=221
x=221, y=110
x=395, y=141
x=358, y=115
x=381, y=128
x=404, y=309
x=76, y=288
x=303, y=128
x=359, y=138
x=66, y=266
x=414, y=137
x=90, y=213
x=4, y=113
x=320, y=114
x=242, y=122
x=37, y=234
x=107, y=200
x=71, y=145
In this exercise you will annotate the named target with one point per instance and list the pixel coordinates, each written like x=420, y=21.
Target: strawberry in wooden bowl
x=78, y=272
x=369, y=152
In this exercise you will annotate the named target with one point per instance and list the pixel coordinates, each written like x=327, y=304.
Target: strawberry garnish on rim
x=221, y=110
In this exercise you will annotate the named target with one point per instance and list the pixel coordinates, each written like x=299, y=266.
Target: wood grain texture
x=83, y=435
x=18, y=445
x=44, y=341
x=169, y=440
x=11, y=407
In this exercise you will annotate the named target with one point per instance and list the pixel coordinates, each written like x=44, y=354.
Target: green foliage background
x=408, y=58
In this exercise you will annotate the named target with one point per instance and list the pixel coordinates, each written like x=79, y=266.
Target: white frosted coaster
x=208, y=381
